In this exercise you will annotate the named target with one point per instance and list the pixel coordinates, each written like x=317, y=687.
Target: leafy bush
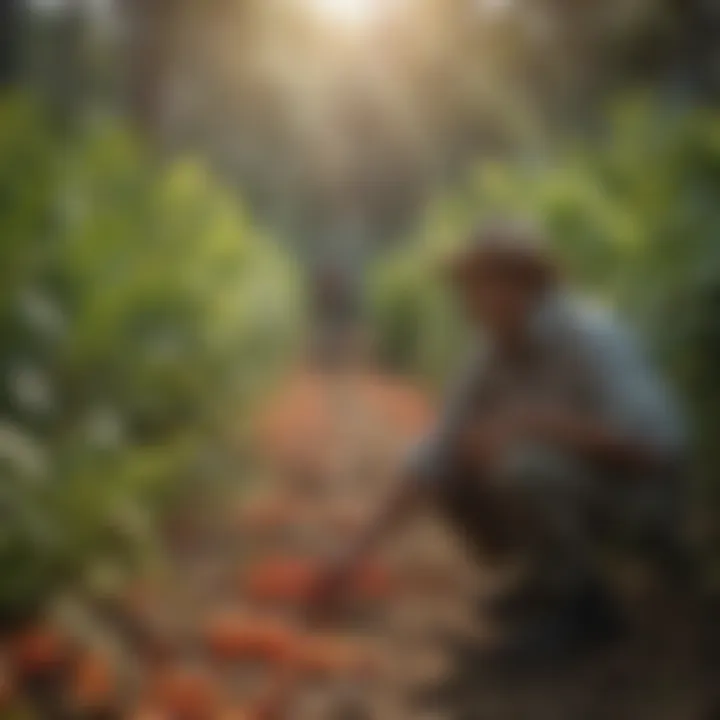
x=634, y=217
x=139, y=310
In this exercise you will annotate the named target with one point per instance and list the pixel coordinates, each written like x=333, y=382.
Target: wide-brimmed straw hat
x=510, y=247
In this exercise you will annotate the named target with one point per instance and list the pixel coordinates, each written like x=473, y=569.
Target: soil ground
x=427, y=638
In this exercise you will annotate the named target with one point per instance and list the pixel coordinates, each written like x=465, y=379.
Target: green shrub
x=140, y=310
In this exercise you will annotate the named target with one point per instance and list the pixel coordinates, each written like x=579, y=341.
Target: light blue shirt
x=580, y=357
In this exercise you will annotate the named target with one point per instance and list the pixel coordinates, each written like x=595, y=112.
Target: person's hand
x=487, y=442
x=329, y=588
x=545, y=422
x=336, y=579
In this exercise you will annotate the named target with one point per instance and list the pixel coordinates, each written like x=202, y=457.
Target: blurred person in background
x=558, y=436
x=336, y=316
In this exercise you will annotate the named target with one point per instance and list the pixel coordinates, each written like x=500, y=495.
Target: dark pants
x=555, y=514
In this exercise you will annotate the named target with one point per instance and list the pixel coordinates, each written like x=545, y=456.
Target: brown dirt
x=425, y=635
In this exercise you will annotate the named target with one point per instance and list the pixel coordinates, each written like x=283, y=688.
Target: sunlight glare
x=347, y=12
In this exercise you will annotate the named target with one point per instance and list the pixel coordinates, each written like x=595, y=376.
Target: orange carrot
x=93, y=685
x=185, y=694
x=234, y=636
x=38, y=650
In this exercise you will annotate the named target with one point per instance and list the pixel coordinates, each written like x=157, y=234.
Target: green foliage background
x=140, y=312
x=635, y=220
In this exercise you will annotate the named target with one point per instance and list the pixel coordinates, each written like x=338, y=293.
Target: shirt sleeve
x=631, y=396
x=430, y=458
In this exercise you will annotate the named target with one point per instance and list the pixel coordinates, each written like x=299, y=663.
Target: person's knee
x=530, y=469
x=542, y=488
x=551, y=502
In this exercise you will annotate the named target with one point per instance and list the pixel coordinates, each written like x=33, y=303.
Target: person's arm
x=633, y=423
x=391, y=516
x=596, y=439
x=426, y=466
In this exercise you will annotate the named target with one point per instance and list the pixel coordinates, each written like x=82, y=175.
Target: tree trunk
x=699, y=25
x=10, y=31
x=149, y=24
